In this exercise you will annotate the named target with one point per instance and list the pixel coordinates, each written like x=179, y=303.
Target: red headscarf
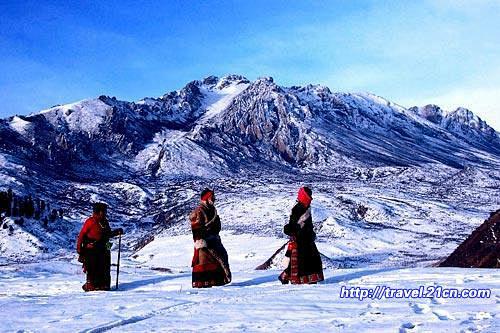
x=303, y=197
x=206, y=196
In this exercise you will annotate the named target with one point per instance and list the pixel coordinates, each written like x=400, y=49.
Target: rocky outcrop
x=481, y=249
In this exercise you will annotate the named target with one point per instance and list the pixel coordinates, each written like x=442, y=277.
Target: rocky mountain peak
x=468, y=122
x=250, y=122
x=230, y=80
x=214, y=82
x=461, y=123
x=431, y=112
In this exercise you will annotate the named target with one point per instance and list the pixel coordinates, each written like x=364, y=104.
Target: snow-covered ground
x=395, y=191
x=363, y=218
x=413, y=218
x=155, y=294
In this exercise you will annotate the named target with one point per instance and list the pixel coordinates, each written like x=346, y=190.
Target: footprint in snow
x=250, y=255
x=420, y=308
x=470, y=330
x=443, y=315
x=437, y=301
x=373, y=312
x=407, y=327
x=481, y=315
x=335, y=323
x=373, y=305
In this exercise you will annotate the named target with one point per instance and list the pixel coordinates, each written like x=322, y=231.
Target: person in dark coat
x=210, y=260
x=304, y=261
x=93, y=248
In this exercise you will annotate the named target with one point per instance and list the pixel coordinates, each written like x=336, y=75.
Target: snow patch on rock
x=20, y=125
x=82, y=116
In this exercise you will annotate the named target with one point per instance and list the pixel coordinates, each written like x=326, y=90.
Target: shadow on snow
x=141, y=283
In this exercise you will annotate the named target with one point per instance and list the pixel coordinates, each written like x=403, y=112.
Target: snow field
x=155, y=294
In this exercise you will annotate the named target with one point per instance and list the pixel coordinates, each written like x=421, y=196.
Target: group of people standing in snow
x=210, y=263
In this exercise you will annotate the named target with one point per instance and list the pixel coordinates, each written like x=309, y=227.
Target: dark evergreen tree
x=15, y=207
x=30, y=207
x=3, y=202
x=53, y=215
x=22, y=206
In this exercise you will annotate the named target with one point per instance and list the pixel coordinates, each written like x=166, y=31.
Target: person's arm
x=81, y=236
x=197, y=224
x=307, y=232
x=215, y=226
x=292, y=227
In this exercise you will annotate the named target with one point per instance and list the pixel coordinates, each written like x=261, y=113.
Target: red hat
x=305, y=196
x=206, y=194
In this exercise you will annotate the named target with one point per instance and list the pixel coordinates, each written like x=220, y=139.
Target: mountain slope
x=230, y=122
x=383, y=175
x=463, y=124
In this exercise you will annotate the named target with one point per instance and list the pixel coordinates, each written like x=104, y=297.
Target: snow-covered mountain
x=222, y=124
x=463, y=124
x=381, y=173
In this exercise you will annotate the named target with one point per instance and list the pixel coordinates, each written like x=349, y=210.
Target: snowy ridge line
x=308, y=128
x=136, y=319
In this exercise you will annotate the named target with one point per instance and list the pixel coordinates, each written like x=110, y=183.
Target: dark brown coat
x=210, y=260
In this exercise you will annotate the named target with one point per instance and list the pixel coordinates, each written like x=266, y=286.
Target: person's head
x=100, y=209
x=207, y=195
x=305, y=196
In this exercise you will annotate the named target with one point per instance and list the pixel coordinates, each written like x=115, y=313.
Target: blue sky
x=411, y=52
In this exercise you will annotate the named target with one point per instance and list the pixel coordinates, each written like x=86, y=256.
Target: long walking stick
x=118, y=263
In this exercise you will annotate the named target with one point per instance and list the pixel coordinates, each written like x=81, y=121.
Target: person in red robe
x=93, y=247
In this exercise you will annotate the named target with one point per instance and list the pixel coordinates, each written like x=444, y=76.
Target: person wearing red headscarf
x=304, y=264
x=210, y=260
